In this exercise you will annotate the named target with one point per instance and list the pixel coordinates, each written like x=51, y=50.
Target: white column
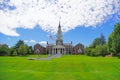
x=54, y=50
x=49, y=51
x=62, y=51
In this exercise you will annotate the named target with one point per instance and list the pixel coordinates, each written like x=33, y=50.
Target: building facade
x=78, y=49
x=59, y=47
x=38, y=49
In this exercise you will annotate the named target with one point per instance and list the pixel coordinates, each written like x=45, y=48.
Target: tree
x=110, y=41
x=98, y=41
x=30, y=50
x=14, y=53
x=12, y=49
x=98, y=47
x=114, y=40
x=4, y=49
x=19, y=43
x=101, y=50
x=19, y=47
x=23, y=50
x=88, y=51
x=102, y=39
x=95, y=42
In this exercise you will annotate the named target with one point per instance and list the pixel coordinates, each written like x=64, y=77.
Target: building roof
x=38, y=45
x=67, y=44
x=79, y=44
x=51, y=44
x=58, y=46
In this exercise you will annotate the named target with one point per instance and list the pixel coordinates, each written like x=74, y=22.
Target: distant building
x=38, y=49
x=59, y=47
x=78, y=49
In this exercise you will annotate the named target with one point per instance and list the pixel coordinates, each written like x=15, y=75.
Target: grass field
x=70, y=67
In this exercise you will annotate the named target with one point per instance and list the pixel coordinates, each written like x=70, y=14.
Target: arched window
x=37, y=51
x=79, y=50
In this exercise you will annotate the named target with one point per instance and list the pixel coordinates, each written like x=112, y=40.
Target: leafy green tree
x=110, y=44
x=14, y=53
x=12, y=49
x=95, y=42
x=23, y=50
x=101, y=50
x=30, y=50
x=19, y=43
x=98, y=41
x=98, y=47
x=114, y=40
x=4, y=49
x=88, y=51
x=93, y=52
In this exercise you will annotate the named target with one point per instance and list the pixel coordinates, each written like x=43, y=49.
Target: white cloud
x=26, y=41
x=47, y=13
x=43, y=42
x=33, y=41
x=30, y=41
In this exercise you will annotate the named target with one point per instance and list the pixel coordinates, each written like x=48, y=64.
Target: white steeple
x=59, y=40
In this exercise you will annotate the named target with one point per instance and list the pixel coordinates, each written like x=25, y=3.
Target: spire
x=59, y=35
x=59, y=25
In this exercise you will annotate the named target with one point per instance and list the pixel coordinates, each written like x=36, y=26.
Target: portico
x=58, y=49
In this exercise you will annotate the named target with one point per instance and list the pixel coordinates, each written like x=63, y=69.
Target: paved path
x=47, y=58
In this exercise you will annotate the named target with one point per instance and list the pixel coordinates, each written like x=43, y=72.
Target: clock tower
x=59, y=40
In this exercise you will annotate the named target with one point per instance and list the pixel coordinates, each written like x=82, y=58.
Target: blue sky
x=34, y=21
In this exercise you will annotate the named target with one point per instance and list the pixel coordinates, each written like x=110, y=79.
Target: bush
x=87, y=51
x=100, y=50
x=93, y=52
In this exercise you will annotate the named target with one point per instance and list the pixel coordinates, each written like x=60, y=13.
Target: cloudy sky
x=35, y=20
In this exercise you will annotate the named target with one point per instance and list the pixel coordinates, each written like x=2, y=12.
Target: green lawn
x=69, y=67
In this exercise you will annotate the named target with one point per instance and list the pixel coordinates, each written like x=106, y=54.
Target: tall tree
x=13, y=51
x=30, y=50
x=110, y=43
x=102, y=39
x=98, y=41
x=114, y=40
x=95, y=42
x=19, y=43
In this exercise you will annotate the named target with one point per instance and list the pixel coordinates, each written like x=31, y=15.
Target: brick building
x=38, y=49
x=78, y=49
